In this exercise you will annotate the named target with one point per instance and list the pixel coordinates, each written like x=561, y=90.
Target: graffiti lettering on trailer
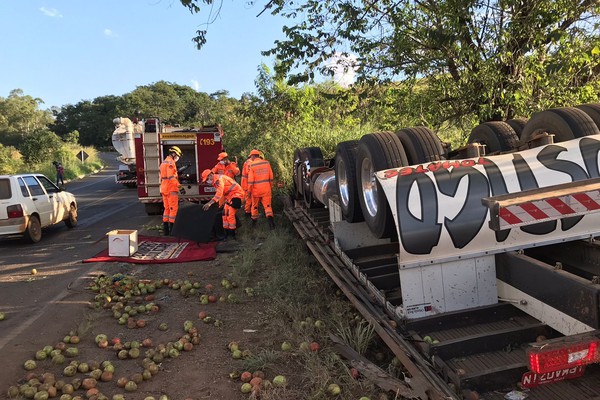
x=420, y=234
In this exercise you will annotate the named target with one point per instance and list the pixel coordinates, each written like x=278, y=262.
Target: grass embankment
x=303, y=306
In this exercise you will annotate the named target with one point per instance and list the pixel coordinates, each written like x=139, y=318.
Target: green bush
x=11, y=161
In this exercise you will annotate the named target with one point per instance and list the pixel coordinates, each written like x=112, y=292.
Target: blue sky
x=66, y=51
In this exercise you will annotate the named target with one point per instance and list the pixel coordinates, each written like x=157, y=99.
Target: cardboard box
x=122, y=243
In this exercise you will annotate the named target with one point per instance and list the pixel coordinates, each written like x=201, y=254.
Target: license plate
x=531, y=379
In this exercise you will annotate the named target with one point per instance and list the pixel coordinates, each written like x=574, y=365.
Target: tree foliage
x=92, y=120
x=40, y=146
x=20, y=116
x=493, y=59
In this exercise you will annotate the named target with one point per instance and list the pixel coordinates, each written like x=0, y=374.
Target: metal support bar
x=546, y=204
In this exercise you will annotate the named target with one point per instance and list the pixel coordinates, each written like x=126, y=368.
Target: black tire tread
x=565, y=123
x=496, y=135
x=426, y=143
x=347, y=150
x=592, y=110
x=517, y=124
x=390, y=147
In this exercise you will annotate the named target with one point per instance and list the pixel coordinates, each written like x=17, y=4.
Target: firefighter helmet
x=222, y=156
x=175, y=150
x=205, y=174
x=255, y=152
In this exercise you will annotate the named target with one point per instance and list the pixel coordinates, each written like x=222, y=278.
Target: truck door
x=42, y=202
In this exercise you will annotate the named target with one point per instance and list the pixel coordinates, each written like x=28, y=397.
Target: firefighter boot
x=166, y=228
x=226, y=235
x=271, y=222
x=254, y=223
x=232, y=234
x=171, y=228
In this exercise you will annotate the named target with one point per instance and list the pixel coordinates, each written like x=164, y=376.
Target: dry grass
x=298, y=293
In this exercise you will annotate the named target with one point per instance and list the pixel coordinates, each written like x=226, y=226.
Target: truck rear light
x=14, y=211
x=553, y=358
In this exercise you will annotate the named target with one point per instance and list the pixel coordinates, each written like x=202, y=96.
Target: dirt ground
x=208, y=371
x=203, y=372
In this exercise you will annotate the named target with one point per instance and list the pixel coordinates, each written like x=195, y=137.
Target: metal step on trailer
x=481, y=349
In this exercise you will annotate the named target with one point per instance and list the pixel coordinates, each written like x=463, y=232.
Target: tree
x=493, y=59
x=91, y=119
x=40, y=146
x=20, y=116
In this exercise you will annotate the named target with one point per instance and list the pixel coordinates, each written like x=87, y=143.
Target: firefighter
x=169, y=188
x=229, y=195
x=244, y=183
x=226, y=167
x=260, y=183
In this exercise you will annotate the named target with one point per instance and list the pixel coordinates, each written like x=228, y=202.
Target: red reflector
x=14, y=211
x=553, y=358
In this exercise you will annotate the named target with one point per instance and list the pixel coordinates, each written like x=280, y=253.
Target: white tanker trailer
x=123, y=140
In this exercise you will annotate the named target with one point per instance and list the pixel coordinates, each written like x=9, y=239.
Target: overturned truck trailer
x=485, y=257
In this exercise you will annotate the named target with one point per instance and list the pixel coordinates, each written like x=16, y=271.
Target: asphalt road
x=49, y=304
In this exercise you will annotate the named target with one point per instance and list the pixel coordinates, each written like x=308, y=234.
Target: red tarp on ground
x=161, y=250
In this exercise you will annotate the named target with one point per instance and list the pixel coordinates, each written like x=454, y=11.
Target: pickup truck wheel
x=421, y=145
x=153, y=208
x=312, y=158
x=376, y=152
x=33, y=233
x=345, y=179
x=71, y=222
x=564, y=123
x=498, y=136
x=592, y=110
x=517, y=124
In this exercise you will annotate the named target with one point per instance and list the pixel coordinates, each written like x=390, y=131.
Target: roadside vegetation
x=303, y=307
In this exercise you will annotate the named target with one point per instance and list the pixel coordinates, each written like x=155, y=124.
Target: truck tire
x=376, y=152
x=312, y=158
x=498, y=136
x=153, y=208
x=345, y=179
x=517, y=124
x=565, y=123
x=33, y=232
x=421, y=145
x=592, y=110
x=296, y=176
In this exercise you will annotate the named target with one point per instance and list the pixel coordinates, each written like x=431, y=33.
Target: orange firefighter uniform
x=244, y=183
x=260, y=183
x=229, y=195
x=169, y=187
x=226, y=167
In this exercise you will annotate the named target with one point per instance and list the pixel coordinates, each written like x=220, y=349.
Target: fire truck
x=150, y=141
x=480, y=266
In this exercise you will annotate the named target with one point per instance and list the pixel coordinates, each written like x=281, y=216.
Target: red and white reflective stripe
x=549, y=209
